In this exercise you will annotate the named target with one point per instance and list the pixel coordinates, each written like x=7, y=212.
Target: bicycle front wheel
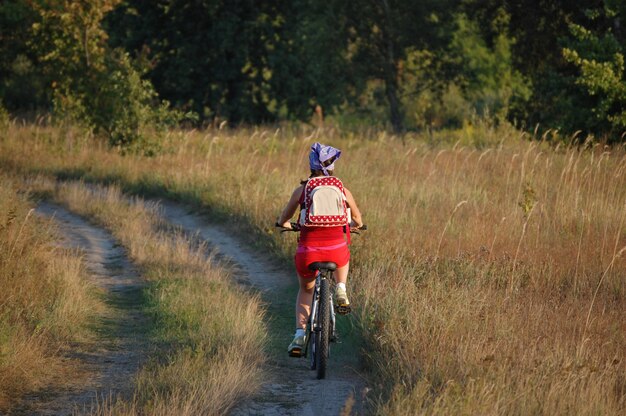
x=322, y=337
x=311, y=345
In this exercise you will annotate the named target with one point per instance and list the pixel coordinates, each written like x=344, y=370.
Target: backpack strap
x=301, y=201
x=346, y=228
x=302, y=204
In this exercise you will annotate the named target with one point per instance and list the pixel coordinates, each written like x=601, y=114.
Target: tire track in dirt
x=120, y=347
x=291, y=388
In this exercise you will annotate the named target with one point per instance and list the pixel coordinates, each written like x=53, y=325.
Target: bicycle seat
x=319, y=265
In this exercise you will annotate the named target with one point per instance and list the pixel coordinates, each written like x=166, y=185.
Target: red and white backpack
x=323, y=203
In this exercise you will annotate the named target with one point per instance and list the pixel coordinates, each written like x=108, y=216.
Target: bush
x=94, y=85
x=129, y=111
x=598, y=57
x=4, y=119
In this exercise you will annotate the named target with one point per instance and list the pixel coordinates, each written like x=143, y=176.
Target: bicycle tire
x=311, y=347
x=322, y=337
x=311, y=342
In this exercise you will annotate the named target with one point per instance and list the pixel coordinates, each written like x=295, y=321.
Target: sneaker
x=341, y=299
x=297, y=346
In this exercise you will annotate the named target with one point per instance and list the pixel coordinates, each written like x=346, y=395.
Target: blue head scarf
x=323, y=157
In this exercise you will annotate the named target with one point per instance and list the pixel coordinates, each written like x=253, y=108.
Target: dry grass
x=210, y=326
x=45, y=301
x=510, y=302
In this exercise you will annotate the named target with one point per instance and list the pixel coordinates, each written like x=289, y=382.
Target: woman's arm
x=291, y=207
x=354, y=210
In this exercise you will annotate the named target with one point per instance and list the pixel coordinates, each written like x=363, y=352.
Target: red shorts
x=305, y=255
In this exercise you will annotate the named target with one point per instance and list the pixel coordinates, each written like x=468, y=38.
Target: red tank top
x=321, y=236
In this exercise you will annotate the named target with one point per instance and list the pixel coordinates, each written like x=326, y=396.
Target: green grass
x=46, y=302
x=206, y=327
x=505, y=303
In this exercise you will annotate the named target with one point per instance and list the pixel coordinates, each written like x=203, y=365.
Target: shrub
x=490, y=81
x=128, y=107
x=94, y=85
x=4, y=119
x=601, y=79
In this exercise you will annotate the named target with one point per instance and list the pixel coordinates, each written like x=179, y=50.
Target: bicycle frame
x=321, y=331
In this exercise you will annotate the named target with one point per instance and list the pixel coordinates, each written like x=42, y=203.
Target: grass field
x=206, y=327
x=492, y=277
x=46, y=302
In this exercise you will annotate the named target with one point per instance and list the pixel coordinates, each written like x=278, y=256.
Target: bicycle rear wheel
x=322, y=336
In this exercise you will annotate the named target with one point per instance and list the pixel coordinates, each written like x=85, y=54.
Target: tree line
x=118, y=66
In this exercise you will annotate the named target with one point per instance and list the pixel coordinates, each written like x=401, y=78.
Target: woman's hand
x=285, y=224
x=356, y=223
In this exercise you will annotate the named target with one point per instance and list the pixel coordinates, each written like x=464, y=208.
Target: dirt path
x=292, y=388
x=114, y=357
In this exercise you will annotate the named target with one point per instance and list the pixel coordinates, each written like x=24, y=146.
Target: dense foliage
x=408, y=65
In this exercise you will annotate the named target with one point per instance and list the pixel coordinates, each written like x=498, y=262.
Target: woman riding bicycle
x=319, y=243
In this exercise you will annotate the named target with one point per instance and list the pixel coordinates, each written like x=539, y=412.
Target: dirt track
x=292, y=388
x=109, y=362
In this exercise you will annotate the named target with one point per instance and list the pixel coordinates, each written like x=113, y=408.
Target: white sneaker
x=296, y=347
x=342, y=301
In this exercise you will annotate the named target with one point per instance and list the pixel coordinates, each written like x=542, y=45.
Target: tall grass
x=209, y=328
x=510, y=302
x=45, y=301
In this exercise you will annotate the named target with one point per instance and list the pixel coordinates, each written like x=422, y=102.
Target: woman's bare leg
x=303, y=301
x=341, y=274
x=305, y=294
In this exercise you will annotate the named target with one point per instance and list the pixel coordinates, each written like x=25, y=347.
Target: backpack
x=323, y=203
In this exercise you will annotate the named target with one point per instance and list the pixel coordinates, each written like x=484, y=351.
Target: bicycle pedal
x=297, y=353
x=343, y=309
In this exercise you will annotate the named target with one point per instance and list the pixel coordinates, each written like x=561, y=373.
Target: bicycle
x=320, y=330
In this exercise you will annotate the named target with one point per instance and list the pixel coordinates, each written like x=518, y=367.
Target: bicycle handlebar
x=295, y=227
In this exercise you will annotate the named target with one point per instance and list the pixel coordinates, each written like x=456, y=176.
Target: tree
x=310, y=65
x=571, y=55
x=486, y=74
x=381, y=32
x=92, y=84
x=22, y=85
x=238, y=60
x=598, y=53
x=207, y=56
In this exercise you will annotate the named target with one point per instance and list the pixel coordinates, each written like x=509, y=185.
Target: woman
x=318, y=243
